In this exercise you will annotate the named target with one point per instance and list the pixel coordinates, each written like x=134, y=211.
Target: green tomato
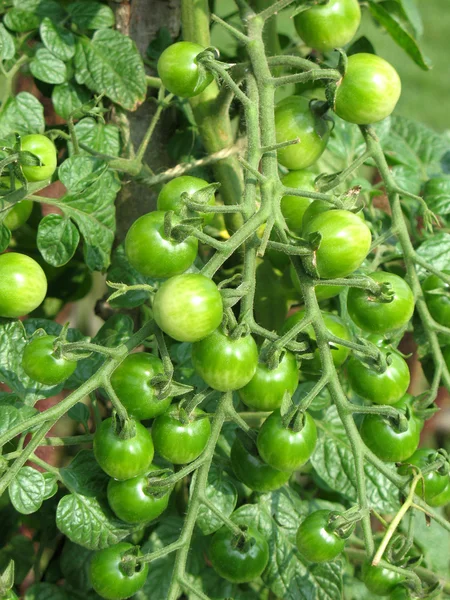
x=19, y=213
x=41, y=363
x=376, y=316
x=295, y=119
x=285, y=449
x=382, y=388
x=23, y=285
x=123, y=458
x=180, y=72
x=435, y=483
x=336, y=326
x=252, y=470
x=188, y=307
x=316, y=541
x=294, y=207
x=152, y=253
x=132, y=500
x=384, y=438
x=131, y=382
x=369, y=90
x=330, y=26
x=266, y=389
x=323, y=292
x=236, y=560
x=45, y=150
x=441, y=499
x=379, y=580
x=177, y=441
x=345, y=242
x=108, y=576
x=169, y=197
x=438, y=305
x=225, y=363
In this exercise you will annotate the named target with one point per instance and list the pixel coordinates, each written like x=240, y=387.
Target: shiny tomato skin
x=345, y=242
x=249, y=468
x=379, y=580
x=376, y=316
x=381, y=388
x=123, y=458
x=316, y=541
x=294, y=207
x=151, y=253
x=294, y=119
x=20, y=211
x=441, y=499
x=283, y=448
x=323, y=292
x=224, y=363
x=169, y=197
x=132, y=502
x=40, y=362
x=435, y=483
x=238, y=564
x=330, y=26
x=438, y=305
x=386, y=441
x=180, y=443
x=335, y=325
x=23, y=285
x=109, y=579
x=188, y=307
x=45, y=150
x=179, y=71
x=131, y=382
x=369, y=90
x=266, y=389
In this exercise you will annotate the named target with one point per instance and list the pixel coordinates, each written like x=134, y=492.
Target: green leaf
x=84, y=475
x=121, y=270
x=68, y=97
x=20, y=549
x=89, y=523
x=79, y=413
x=412, y=13
x=22, y=114
x=435, y=250
x=5, y=237
x=21, y=20
x=431, y=538
x=382, y=12
x=407, y=178
x=57, y=239
x=51, y=485
x=27, y=490
x=7, y=48
x=46, y=67
x=58, y=41
x=99, y=137
x=45, y=591
x=91, y=15
x=362, y=44
x=111, y=64
x=437, y=195
x=78, y=172
x=222, y=493
x=75, y=563
x=10, y=416
x=334, y=463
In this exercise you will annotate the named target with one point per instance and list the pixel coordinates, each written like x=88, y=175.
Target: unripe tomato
x=23, y=285
x=132, y=500
x=376, y=316
x=335, y=325
x=379, y=580
x=123, y=458
x=179, y=71
x=109, y=579
x=239, y=560
x=294, y=207
x=382, y=388
x=441, y=499
x=369, y=90
x=266, y=389
x=152, y=253
x=434, y=482
x=386, y=441
x=188, y=307
x=41, y=363
x=169, y=197
x=283, y=448
x=295, y=119
x=225, y=363
x=316, y=541
x=20, y=211
x=131, y=382
x=177, y=441
x=345, y=242
x=249, y=468
x=438, y=304
x=329, y=26
x=45, y=150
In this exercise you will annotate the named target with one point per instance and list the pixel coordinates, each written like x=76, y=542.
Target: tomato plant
x=223, y=300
